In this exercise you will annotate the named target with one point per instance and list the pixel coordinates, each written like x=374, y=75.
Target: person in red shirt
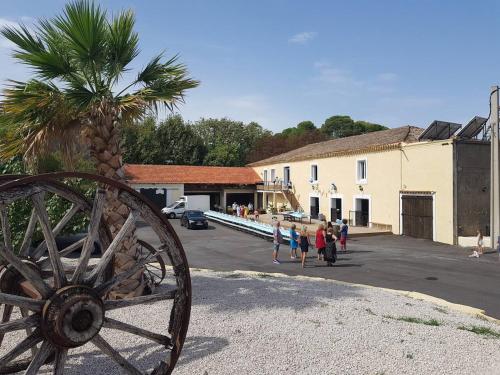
x=320, y=241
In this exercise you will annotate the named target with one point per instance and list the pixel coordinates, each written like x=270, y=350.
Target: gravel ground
x=267, y=324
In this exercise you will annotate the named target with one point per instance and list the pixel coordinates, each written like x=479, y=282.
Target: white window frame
x=289, y=173
x=313, y=180
x=369, y=198
x=361, y=181
x=273, y=175
x=337, y=196
x=265, y=176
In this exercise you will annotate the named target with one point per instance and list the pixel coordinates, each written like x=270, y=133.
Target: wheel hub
x=72, y=316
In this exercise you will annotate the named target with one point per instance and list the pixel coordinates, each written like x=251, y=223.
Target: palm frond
x=85, y=28
x=122, y=45
x=38, y=119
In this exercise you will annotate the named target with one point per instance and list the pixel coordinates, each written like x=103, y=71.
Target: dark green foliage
x=411, y=319
x=345, y=126
x=484, y=331
x=228, y=142
x=170, y=142
x=20, y=211
x=289, y=139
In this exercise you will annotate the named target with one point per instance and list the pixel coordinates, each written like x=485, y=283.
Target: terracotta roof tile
x=189, y=174
x=358, y=143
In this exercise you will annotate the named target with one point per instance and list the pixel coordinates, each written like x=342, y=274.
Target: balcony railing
x=274, y=186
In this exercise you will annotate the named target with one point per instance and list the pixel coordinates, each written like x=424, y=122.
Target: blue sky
x=280, y=62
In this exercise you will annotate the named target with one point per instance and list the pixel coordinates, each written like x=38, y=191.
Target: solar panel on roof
x=473, y=128
x=439, y=130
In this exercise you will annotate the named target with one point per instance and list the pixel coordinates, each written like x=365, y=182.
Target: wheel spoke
x=7, y=312
x=20, y=348
x=88, y=246
x=30, y=304
x=59, y=276
x=61, y=356
x=104, y=346
x=23, y=323
x=120, y=303
x=40, y=250
x=121, y=326
x=7, y=234
x=27, y=271
x=39, y=358
x=107, y=286
x=66, y=251
x=25, y=246
x=29, y=331
x=115, y=245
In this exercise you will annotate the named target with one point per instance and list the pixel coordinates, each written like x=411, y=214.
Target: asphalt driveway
x=386, y=261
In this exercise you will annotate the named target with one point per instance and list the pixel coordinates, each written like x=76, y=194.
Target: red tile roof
x=189, y=174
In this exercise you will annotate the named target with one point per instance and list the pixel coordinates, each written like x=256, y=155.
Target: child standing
x=320, y=241
x=479, y=246
x=343, y=235
x=304, y=241
x=294, y=237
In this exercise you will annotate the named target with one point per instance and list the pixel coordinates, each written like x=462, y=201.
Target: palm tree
x=79, y=60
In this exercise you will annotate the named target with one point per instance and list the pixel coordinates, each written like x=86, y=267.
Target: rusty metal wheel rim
x=55, y=346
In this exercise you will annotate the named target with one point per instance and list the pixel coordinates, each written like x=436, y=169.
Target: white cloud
x=246, y=102
x=387, y=77
x=303, y=38
x=340, y=81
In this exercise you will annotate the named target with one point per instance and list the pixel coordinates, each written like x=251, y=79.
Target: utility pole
x=495, y=171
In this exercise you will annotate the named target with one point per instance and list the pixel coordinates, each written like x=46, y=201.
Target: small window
x=314, y=173
x=265, y=176
x=273, y=175
x=361, y=171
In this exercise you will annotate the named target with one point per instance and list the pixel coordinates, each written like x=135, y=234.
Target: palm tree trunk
x=104, y=143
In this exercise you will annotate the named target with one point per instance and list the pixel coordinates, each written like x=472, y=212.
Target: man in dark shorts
x=277, y=240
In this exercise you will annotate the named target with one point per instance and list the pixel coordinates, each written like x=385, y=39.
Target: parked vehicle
x=188, y=202
x=194, y=219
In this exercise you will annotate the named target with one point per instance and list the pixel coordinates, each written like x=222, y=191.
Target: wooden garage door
x=417, y=216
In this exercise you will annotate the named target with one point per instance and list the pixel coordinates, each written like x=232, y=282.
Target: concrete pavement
x=394, y=262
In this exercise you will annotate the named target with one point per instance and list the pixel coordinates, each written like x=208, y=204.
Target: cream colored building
x=429, y=189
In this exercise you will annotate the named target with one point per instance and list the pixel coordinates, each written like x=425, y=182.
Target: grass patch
x=234, y=276
x=483, y=331
x=264, y=275
x=482, y=317
x=411, y=319
x=370, y=311
x=441, y=310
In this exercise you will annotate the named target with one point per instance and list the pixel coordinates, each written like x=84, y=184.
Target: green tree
x=170, y=142
x=228, y=142
x=345, y=126
x=77, y=91
x=301, y=128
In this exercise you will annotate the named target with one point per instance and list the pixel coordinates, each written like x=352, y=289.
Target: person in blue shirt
x=294, y=242
x=343, y=235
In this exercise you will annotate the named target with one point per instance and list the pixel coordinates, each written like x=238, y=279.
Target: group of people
x=241, y=210
x=324, y=242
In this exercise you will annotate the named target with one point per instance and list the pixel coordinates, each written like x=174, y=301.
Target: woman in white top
x=479, y=246
x=479, y=242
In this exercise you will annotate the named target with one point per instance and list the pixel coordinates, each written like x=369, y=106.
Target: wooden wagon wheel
x=70, y=309
x=11, y=281
x=155, y=268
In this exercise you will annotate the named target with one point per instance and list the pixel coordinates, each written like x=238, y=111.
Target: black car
x=194, y=219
